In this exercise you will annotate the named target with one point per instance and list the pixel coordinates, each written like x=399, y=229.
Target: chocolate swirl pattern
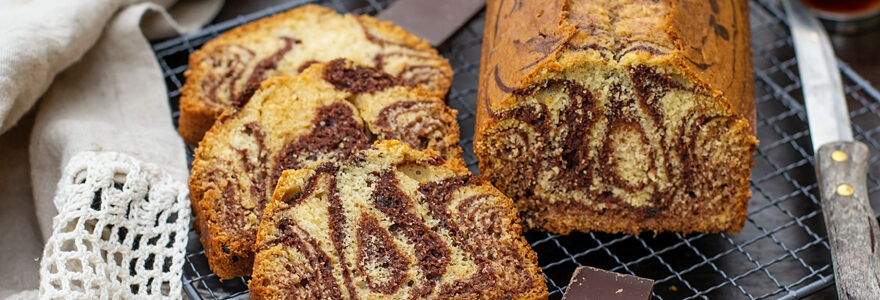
x=329, y=112
x=424, y=122
x=638, y=122
x=238, y=72
x=230, y=64
x=408, y=228
x=336, y=133
x=519, y=137
x=378, y=253
x=224, y=74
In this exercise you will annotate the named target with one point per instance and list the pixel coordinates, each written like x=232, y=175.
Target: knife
x=841, y=162
x=433, y=20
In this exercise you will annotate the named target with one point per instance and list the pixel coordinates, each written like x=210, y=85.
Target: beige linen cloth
x=93, y=202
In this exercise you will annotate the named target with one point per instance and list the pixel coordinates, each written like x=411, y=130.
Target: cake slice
x=329, y=111
x=391, y=223
x=225, y=72
x=618, y=115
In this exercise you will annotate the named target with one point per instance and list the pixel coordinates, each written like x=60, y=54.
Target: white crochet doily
x=121, y=231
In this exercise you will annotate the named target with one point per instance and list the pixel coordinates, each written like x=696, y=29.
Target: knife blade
x=433, y=20
x=820, y=78
x=841, y=163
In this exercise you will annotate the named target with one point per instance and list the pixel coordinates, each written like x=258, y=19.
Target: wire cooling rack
x=781, y=253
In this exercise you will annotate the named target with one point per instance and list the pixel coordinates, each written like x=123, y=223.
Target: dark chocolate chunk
x=592, y=283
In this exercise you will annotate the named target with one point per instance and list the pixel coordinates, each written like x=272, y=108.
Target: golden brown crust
x=714, y=42
x=284, y=44
x=669, y=81
x=709, y=40
x=392, y=224
x=195, y=118
x=328, y=111
x=217, y=245
x=216, y=249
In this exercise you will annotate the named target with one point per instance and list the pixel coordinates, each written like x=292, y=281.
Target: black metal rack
x=782, y=252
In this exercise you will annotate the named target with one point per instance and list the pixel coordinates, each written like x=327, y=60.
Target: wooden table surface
x=861, y=52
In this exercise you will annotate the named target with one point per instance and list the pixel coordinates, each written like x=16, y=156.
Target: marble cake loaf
x=329, y=110
x=618, y=115
x=390, y=222
x=225, y=72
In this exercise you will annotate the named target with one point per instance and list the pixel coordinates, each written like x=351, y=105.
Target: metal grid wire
x=782, y=252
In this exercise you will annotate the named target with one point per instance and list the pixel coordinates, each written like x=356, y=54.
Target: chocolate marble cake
x=225, y=72
x=329, y=111
x=390, y=222
x=618, y=115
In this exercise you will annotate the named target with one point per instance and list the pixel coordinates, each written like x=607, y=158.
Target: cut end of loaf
x=618, y=116
x=620, y=148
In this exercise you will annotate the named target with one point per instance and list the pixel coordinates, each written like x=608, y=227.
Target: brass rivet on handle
x=838, y=156
x=845, y=190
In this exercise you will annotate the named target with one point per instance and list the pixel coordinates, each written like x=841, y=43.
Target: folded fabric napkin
x=107, y=170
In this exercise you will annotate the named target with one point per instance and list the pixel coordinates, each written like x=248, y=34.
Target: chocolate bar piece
x=592, y=283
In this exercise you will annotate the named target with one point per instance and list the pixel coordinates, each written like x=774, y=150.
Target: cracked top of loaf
x=711, y=50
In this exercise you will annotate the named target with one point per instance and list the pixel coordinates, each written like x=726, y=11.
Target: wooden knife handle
x=853, y=233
